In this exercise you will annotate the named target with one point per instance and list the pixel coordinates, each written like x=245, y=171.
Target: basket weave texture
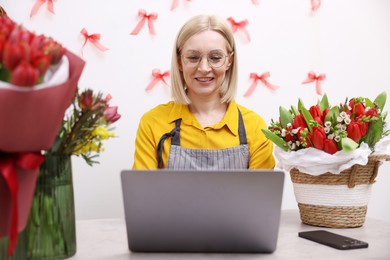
x=345, y=216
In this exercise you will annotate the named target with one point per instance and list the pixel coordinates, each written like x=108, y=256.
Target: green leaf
x=275, y=139
x=348, y=144
x=374, y=133
x=368, y=102
x=332, y=114
x=306, y=114
x=381, y=100
x=324, y=103
x=294, y=110
x=285, y=116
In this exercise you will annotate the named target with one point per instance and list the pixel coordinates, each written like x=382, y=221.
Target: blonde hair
x=193, y=26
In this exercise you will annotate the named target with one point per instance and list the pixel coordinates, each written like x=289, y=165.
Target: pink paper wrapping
x=30, y=120
x=26, y=181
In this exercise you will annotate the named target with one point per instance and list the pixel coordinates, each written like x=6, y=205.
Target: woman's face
x=204, y=61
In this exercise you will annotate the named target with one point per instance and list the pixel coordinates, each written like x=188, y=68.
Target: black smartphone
x=333, y=240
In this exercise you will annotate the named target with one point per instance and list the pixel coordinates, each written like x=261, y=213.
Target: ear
x=179, y=63
x=230, y=60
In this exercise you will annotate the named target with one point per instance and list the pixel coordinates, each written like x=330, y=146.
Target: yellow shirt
x=161, y=119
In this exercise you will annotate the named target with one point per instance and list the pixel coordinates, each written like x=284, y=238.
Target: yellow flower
x=102, y=133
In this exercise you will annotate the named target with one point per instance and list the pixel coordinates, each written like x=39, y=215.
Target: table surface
x=107, y=239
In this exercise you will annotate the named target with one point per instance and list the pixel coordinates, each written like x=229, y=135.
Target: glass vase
x=51, y=230
x=19, y=252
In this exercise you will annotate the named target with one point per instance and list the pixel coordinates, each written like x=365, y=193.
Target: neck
x=208, y=112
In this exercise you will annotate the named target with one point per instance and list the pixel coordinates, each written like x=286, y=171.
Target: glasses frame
x=194, y=65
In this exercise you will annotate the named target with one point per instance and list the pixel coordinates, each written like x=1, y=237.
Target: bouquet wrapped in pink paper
x=38, y=80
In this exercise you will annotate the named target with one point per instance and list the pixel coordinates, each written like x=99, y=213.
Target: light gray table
x=107, y=239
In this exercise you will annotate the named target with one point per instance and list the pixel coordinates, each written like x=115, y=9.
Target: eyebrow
x=207, y=52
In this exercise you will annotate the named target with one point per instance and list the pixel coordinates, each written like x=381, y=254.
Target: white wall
x=348, y=40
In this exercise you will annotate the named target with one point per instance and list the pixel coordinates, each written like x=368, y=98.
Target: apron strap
x=241, y=129
x=175, y=135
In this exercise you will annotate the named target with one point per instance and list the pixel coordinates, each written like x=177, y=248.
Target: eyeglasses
x=215, y=58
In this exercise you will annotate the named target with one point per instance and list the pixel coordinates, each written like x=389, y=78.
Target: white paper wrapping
x=316, y=162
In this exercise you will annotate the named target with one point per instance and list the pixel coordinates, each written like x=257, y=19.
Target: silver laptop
x=202, y=211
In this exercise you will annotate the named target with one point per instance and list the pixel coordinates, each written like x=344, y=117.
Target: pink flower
x=111, y=114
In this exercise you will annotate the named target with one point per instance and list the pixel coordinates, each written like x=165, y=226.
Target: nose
x=204, y=64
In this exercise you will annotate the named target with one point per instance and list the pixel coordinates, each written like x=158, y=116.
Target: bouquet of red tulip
x=345, y=130
x=38, y=79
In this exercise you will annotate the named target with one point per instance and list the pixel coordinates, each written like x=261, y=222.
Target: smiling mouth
x=204, y=79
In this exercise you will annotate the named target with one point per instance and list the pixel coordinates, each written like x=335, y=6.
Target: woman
x=203, y=127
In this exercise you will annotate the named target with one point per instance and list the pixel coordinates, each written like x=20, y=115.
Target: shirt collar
x=230, y=119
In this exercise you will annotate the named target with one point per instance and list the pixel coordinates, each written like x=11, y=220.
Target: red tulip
x=372, y=112
x=324, y=113
x=354, y=131
x=40, y=61
x=316, y=113
x=54, y=50
x=111, y=114
x=14, y=53
x=299, y=121
x=330, y=146
x=2, y=43
x=24, y=75
x=86, y=99
x=318, y=137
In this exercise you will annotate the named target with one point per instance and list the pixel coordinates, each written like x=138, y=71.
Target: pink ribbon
x=150, y=17
x=255, y=2
x=311, y=77
x=92, y=38
x=262, y=78
x=315, y=4
x=239, y=25
x=175, y=3
x=157, y=76
x=38, y=5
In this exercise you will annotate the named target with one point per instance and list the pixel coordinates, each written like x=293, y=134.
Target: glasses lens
x=215, y=58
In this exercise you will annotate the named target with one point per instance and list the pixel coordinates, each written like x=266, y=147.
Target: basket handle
x=375, y=173
x=351, y=181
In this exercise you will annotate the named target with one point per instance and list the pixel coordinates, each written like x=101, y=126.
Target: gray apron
x=236, y=157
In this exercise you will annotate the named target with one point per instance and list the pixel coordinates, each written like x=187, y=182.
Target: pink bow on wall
x=144, y=16
x=92, y=38
x=315, y=4
x=175, y=3
x=255, y=2
x=262, y=78
x=38, y=5
x=311, y=77
x=158, y=76
x=239, y=25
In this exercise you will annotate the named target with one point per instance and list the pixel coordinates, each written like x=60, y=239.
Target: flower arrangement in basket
x=333, y=154
x=38, y=80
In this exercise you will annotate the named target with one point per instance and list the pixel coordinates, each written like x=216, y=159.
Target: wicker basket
x=336, y=200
